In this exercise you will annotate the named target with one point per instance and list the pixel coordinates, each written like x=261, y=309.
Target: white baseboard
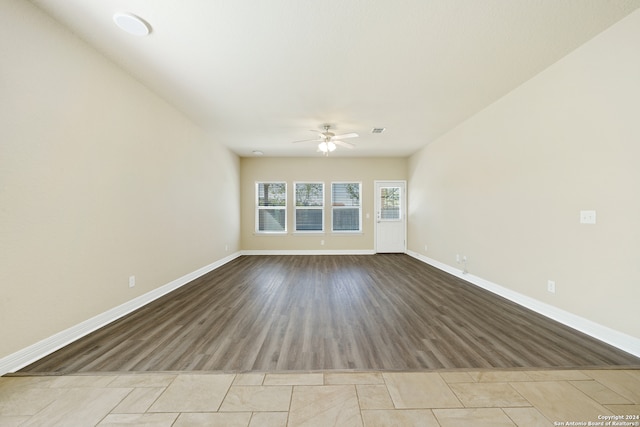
x=605, y=334
x=26, y=356
x=310, y=252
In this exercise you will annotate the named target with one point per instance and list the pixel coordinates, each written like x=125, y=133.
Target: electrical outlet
x=458, y=258
x=464, y=264
x=132, y=281
x=226, y=248
x=551, y=286
x=425, y=248
x=587, y=217
x=321, y=242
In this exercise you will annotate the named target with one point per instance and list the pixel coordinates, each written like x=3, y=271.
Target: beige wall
x=505, y=188
x=327, y=170
x=99, y=179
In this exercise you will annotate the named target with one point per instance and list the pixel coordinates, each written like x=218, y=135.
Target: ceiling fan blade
x=346, y=135
x=319, y=138
x=343, y=144
x=307, y=140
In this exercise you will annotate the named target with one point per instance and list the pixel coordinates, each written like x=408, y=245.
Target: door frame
x=403, y=208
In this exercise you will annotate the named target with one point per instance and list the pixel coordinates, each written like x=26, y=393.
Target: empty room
x=331, y=213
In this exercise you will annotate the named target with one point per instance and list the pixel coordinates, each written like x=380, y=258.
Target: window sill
x=307, y=233
x=270, y=233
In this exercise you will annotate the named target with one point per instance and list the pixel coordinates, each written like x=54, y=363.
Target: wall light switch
x=551, y=286
x=587, y=217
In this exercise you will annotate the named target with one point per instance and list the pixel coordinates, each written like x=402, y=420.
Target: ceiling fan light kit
x=326, y=147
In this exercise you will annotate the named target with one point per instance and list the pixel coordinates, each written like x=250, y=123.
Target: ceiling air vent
x=377, y=130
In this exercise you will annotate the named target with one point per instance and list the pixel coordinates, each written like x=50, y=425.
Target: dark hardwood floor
x=383, y=312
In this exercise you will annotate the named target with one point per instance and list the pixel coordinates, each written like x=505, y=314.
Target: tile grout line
x=452, y=391
x=291, y=399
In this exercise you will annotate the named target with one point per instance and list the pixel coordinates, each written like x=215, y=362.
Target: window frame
x=321, y=208
x=258, y=208
x=334, y=208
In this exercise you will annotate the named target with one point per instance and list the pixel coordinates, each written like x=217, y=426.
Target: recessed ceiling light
x=132, y=24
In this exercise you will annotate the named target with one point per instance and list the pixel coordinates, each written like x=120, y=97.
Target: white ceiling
x=258, y=74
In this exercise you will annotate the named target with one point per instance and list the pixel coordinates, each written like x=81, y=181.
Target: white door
x=391, y=217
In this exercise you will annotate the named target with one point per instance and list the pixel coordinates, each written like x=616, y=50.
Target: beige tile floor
x=456, y=398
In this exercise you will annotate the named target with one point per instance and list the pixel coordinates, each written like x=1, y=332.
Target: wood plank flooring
x=298, y=313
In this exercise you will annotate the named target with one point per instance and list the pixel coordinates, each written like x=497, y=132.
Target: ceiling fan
x=327, y=140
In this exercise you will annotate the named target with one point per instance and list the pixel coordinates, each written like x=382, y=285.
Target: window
x=309, y=206
x=271, y=207
x=346, y=212
x=390, y=203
